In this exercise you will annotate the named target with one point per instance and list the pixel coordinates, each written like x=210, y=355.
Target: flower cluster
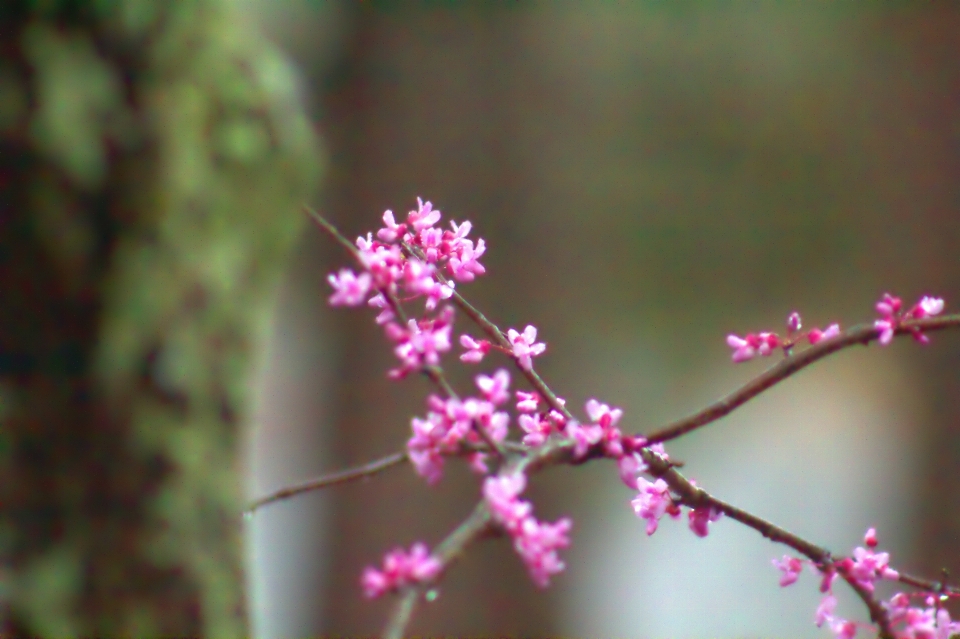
x=889, y=309
x=405, y=259
x=400, y=569
x=451, y=422
x=753, y=344
x=654, y=501
x=535, y=541
x=866, y=567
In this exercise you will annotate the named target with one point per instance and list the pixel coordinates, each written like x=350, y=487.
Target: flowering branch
x=791, y=364
x=408, y=257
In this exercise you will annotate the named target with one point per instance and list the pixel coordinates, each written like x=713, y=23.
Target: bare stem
x=342, y=477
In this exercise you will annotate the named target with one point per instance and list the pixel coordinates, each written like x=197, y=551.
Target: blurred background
x=649, y=178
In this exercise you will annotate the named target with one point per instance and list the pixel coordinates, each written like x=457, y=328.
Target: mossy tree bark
x=152, y=161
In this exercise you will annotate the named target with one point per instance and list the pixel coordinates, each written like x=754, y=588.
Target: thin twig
x=342, y=477
x=862, y=334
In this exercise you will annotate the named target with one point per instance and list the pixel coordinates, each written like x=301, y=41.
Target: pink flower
x=465, y=266
x=743, y=350
x=525, y=346
x=700, y=519
x=888, y=306
x=928, y=306
x=607, y=420
x=527, y=402
x=867, y=566
x=475, y=349
x=536, y=427
x=793, y=322
x=870, y=538
x=420, y=343
x=400, y=569
x=583, y=437
x=501, y=494
x=790, y=567
x=751, y=345
x=391, y=230
x=825, y=610
x=424, y=217
x=885, y=327
x=349, y=289
x=652, y=502
x=494, y=388
x=537, y=544
x=386, y=313
x=629, y=467
x=816, y=335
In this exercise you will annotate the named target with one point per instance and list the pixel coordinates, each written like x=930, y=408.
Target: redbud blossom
x=349, y=289
x=536, y=427
x=652, y=502
x=475, y=349
x=793, y=322
x=495, y=388
x=400, y=569
x=424, y=217
x=700, y=519
x=527, y=402
x=816, y=335
x=391, y=230
x=790, y=567
x=525, y=346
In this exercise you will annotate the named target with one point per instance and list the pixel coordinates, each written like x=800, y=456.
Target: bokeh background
x=649, y=177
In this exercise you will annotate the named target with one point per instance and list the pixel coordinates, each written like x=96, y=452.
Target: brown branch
x=862, y=334
x=342, y=477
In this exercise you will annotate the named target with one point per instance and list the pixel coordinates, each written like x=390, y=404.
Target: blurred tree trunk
x=152, y=161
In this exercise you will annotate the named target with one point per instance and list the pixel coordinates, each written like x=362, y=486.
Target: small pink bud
x=793, y=322
x=870, y=539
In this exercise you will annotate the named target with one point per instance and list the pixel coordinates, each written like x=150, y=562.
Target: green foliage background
x=153, y=157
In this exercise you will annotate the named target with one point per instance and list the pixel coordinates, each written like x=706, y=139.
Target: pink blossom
x=790, y=567
x=418, y=279
x=501, y=494
x=583, y=436
x=700, y=519
x=400, y=569
x=825, y=610
x=386, y=313
x=793, y=322
x=630, y=466
x=475, y=349
x=928, y=307
x=607, y=419
x=494, y=388
x=885, y=328
x=391, y=230
x=424, y=217
x=652, y=502
x=465, y=266
x=870, y=538
x=816, y=335
x=525, y=346
x=420, y=342
x=536, y=427
x=349, y=289
x=527, y=402
x=384, y=262
x=888, y=306
x=431, y=242
x=867, y=566
x=743, y=350
x=537, y=544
